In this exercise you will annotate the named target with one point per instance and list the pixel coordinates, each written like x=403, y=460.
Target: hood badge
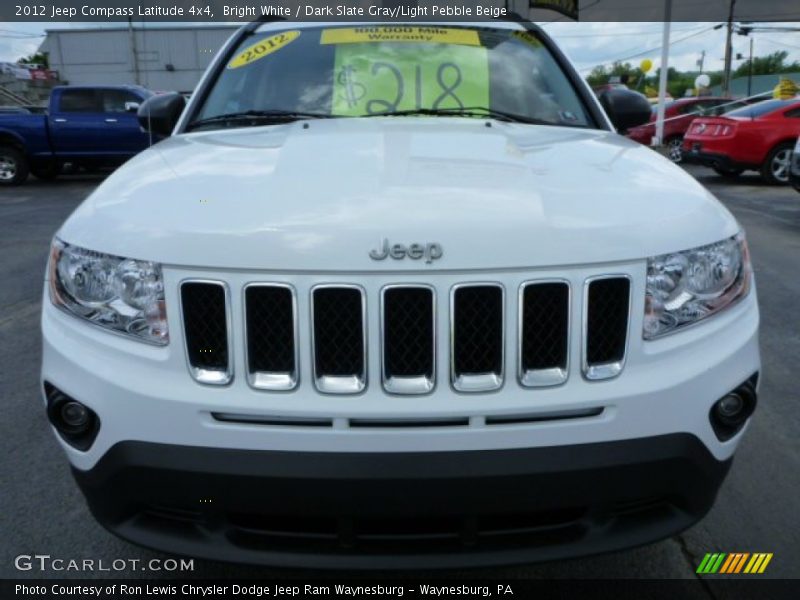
x=430, y=251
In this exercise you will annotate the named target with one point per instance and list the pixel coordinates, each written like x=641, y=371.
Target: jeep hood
x=319, y=195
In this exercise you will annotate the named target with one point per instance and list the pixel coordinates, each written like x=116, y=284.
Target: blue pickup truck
x=87, y=126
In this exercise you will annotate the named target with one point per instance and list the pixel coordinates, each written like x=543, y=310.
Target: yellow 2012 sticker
x=263, y=48
x=418, y=35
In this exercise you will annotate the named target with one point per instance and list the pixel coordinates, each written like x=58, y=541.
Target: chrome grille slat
x=544, y=332
x=207, y=330
x=477, y=337
x=408, y=341
x=271, y=334
x=339, y=338
x=606, y=314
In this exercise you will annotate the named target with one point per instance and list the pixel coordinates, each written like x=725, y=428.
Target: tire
x=674, y=147
x=729, y=173
x=47, y=171
x=775, y=170
x=13, y=166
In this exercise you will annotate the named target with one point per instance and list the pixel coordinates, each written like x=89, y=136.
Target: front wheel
x=775, y=170
x=13, y=166
x=729, y=173
x=675, y=149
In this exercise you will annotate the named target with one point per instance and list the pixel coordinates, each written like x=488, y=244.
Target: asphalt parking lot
x=757, y=509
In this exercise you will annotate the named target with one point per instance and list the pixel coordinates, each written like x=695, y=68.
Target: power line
x=614, y=34
x=769, y=41
x=649, y=51
x=17, y=32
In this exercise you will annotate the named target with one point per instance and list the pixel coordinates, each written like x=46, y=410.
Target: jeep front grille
x=482, y=326
x=207, y=330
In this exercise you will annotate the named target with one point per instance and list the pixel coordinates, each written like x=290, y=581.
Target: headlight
x=685, y=287
x=120, y=294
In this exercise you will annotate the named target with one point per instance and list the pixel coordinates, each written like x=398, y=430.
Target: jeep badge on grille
x=430, y=251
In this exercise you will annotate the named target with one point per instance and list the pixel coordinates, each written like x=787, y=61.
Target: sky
x=587, y=44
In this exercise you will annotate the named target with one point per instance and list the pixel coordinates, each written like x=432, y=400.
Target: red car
x=678, y=115
x=758, y=137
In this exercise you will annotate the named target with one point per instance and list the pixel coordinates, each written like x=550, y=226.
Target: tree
x=40, y=58
x=768, y=65
x=598, y=76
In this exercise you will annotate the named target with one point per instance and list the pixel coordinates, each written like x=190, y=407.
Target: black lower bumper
x=409, y=510
x=713, y=160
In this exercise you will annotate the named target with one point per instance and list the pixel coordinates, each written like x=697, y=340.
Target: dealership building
x=159, y=58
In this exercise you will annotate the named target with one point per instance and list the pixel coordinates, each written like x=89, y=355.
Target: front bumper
x=641, y=464
x=409, y=510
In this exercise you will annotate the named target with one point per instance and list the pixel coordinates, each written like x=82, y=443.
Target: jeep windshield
x=306, y=72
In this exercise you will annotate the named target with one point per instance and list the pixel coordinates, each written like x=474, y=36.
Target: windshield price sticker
x=419, y=35
x=371, y=79
x=263, y=48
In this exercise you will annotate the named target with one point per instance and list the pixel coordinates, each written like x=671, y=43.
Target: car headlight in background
x=121, y=294
x=685, y=287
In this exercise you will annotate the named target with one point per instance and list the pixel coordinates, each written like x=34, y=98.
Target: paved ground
x=757, y=510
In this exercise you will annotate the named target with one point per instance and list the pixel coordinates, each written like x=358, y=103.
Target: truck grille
x=477, y=344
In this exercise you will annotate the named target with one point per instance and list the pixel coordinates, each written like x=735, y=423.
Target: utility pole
x=702, y=60
x=726, y=82
x=134, y=53
x=750, y=71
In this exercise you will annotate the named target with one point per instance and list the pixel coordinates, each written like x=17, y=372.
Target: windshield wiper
x=467, y=111
x=257, y=117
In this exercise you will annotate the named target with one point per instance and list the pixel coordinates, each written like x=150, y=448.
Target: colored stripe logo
x=734, y=563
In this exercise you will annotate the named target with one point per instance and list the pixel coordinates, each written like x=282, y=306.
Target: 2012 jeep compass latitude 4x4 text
x=398, y=296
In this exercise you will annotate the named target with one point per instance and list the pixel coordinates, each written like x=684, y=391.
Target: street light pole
x=750, y=71
x=726, y=82
x=662, y=80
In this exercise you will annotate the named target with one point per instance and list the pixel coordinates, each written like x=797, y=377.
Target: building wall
x=760, y=83
x=106, y=56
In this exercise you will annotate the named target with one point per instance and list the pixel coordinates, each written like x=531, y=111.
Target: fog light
x=729, y=413
x=730, y=409
x=76, y=423
x=74, y=415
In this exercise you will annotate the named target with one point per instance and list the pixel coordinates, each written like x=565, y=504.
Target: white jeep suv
x=398, y=296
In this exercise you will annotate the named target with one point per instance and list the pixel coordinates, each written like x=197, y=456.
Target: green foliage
x=40, y=58
x=680, y=81
x=767, y=65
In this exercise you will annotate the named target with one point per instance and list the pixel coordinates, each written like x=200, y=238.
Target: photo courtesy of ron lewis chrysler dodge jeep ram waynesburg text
x=398, y=300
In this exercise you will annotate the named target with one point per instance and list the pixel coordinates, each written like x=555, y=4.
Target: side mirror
x=794, y=167
x=131, y=106
x=625, y=108
x=159, y=114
